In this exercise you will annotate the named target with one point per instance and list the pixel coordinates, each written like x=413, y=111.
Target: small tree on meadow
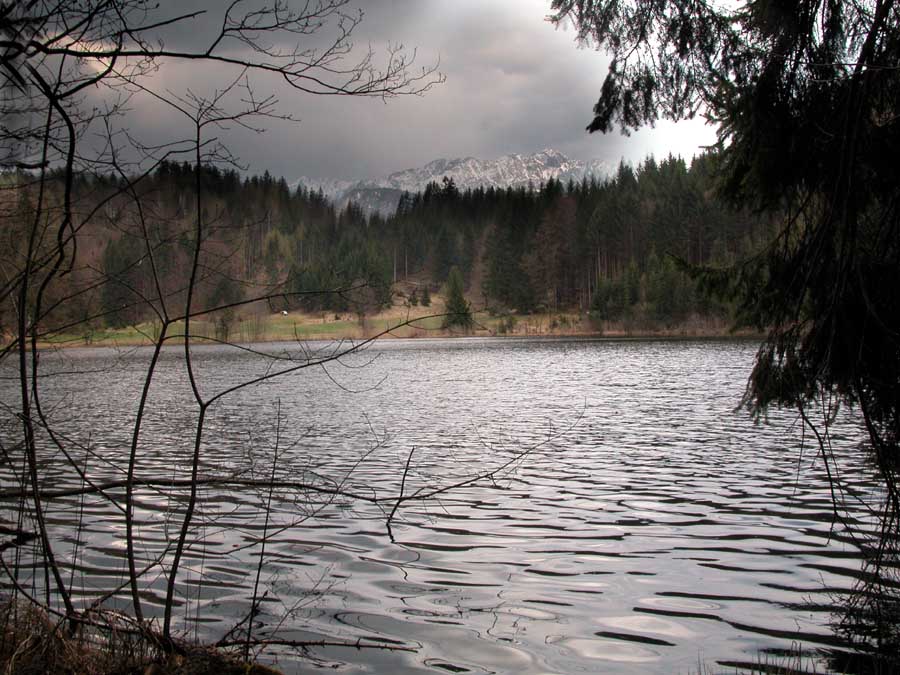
x=458, y=311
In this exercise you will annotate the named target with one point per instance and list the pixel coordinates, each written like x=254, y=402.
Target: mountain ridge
x=513, y=170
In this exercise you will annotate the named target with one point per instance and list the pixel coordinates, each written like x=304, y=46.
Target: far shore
x=399, y=321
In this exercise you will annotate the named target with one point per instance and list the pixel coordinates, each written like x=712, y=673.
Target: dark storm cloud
x=514, y=83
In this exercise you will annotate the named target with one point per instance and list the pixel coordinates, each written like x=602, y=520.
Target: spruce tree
x=458, y=311
x=805, y=96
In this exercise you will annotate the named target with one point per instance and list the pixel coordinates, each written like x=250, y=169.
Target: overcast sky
x=514, y=84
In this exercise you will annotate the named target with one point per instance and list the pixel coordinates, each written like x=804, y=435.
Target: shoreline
x=527, y=328
x=259, y=324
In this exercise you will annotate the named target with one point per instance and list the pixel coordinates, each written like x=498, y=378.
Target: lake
x=650, y=527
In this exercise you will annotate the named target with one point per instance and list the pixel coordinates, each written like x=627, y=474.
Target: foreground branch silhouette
x=69, y=72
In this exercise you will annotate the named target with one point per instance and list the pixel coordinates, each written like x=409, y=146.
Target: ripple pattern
x=652, y=527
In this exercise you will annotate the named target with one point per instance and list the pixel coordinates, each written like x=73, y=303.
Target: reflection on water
x=652, y=529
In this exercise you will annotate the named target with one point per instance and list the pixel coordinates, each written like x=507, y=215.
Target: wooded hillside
x=612, y=247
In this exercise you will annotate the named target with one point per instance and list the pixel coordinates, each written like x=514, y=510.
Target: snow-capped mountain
x=508, y=171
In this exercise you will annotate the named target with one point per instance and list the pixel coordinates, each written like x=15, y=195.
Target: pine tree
x=458, y=310
x=805, y=95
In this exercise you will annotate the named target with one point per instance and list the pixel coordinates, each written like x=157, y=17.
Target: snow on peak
x=513, y=170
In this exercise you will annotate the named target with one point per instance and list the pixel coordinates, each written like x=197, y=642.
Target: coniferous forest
x=618, y=249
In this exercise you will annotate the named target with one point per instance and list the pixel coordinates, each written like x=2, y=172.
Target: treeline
x=615, y=247
x=606, y=246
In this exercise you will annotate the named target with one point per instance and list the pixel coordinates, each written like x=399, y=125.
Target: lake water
x=650, y=528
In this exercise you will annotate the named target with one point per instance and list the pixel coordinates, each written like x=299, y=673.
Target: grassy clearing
x=400, y=320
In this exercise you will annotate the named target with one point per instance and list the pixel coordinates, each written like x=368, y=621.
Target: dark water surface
x=652, y=529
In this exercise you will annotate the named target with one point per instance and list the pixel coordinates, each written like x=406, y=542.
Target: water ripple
x=664, y=528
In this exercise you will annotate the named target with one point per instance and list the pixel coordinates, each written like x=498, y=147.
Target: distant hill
x=514, y=170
